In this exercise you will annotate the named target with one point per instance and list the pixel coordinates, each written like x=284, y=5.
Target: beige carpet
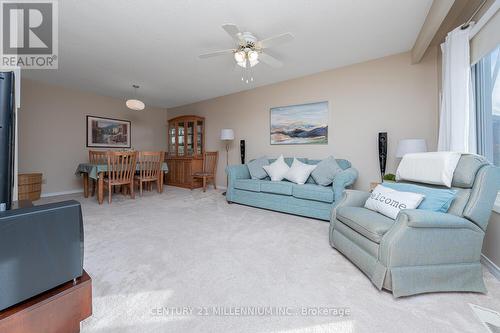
x=190, y=251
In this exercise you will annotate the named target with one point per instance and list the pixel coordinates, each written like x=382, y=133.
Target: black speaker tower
x=7, y=104
x=242, y=151
x=382, y=152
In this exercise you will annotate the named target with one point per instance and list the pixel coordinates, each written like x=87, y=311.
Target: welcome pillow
x=299, y=172
x=436, y=199
x=278, y=169
x=389, y=202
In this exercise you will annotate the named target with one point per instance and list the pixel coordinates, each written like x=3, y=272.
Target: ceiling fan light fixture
x=250, y=51
x=253, y=62
x=240, y=56
x=253, y=56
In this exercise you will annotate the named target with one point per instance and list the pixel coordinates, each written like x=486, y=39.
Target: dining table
x=96, y=171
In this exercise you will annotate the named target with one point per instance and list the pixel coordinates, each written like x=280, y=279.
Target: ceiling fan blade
x=276, y=40
x=269, y=60
x=216, y=53
x=232, y=30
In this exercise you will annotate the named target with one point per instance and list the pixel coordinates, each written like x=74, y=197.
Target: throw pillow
x=325, y=171
x=255, y=167
x=436, y=199
x=435, y=168
x=299, y=172
x=277, y=170
x=389, y=202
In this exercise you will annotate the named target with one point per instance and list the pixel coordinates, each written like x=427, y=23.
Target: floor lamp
x=227, y=135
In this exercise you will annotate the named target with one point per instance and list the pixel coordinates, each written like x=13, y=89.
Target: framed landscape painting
x=300, y=124
x=108, y=132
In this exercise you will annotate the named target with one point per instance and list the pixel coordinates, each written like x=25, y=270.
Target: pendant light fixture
x=135, y=104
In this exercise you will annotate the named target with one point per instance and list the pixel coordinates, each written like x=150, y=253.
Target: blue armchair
x=421, y=251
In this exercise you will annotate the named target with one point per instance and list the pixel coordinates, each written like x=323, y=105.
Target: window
x=487, y=92
x=487, y=83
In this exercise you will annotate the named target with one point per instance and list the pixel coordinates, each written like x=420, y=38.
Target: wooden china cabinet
x=186, y=145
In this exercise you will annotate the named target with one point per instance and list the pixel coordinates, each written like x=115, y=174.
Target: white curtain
x=457, y=123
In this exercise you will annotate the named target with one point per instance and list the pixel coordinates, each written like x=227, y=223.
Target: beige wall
x=52, y=124
x=387, y=94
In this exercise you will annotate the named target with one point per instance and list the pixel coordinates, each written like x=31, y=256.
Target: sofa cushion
x=281, y=187
x=436, y=199
x=277, y=170
x=325, y=171
x=368, y=223
x=310, y=180
x=299, y=172
x=255, y=167
x=247, y=185
x=313, y=192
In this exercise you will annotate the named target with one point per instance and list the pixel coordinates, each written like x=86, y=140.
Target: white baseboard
x=54, y=194
x=494, y=269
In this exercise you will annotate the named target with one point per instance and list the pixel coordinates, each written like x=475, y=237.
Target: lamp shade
x=409, y=146
x=227, y=134
x=135, y=104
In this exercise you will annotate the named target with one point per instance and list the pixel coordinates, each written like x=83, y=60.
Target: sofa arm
x=343, y=180
x=349, y=198
x=422, y=238
x=418, y=218
x=235, y=172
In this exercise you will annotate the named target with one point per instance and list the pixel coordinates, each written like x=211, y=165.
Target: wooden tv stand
x=59, y=310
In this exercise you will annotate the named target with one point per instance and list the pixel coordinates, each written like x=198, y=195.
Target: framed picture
x=108, y=132
x=300, y=124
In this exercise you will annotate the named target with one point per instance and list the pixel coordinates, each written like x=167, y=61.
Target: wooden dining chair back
x=97, y=157
x=150, y=168
x=210, y=159
x=121, y=171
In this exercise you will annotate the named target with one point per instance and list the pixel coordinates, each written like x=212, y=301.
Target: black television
x=7, y=129
x=41, y=247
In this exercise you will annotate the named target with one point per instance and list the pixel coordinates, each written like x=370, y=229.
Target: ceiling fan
x=249, y=51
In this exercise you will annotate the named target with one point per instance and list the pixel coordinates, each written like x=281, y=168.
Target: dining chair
x=96, y=157
x=150, y=163
x=121, y=171
x=209, y=172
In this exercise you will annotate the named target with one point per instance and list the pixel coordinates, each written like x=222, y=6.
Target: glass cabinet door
x=180, y=139
x=199, y=137
x=171, y=140
x=190, y=138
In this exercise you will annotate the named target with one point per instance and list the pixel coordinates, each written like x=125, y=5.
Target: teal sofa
x=310, y=199
x=421, y=251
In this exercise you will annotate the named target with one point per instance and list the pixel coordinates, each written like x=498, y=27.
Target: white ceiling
x=106, y=46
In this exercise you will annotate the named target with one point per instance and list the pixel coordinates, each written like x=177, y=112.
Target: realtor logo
x=29, y=34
